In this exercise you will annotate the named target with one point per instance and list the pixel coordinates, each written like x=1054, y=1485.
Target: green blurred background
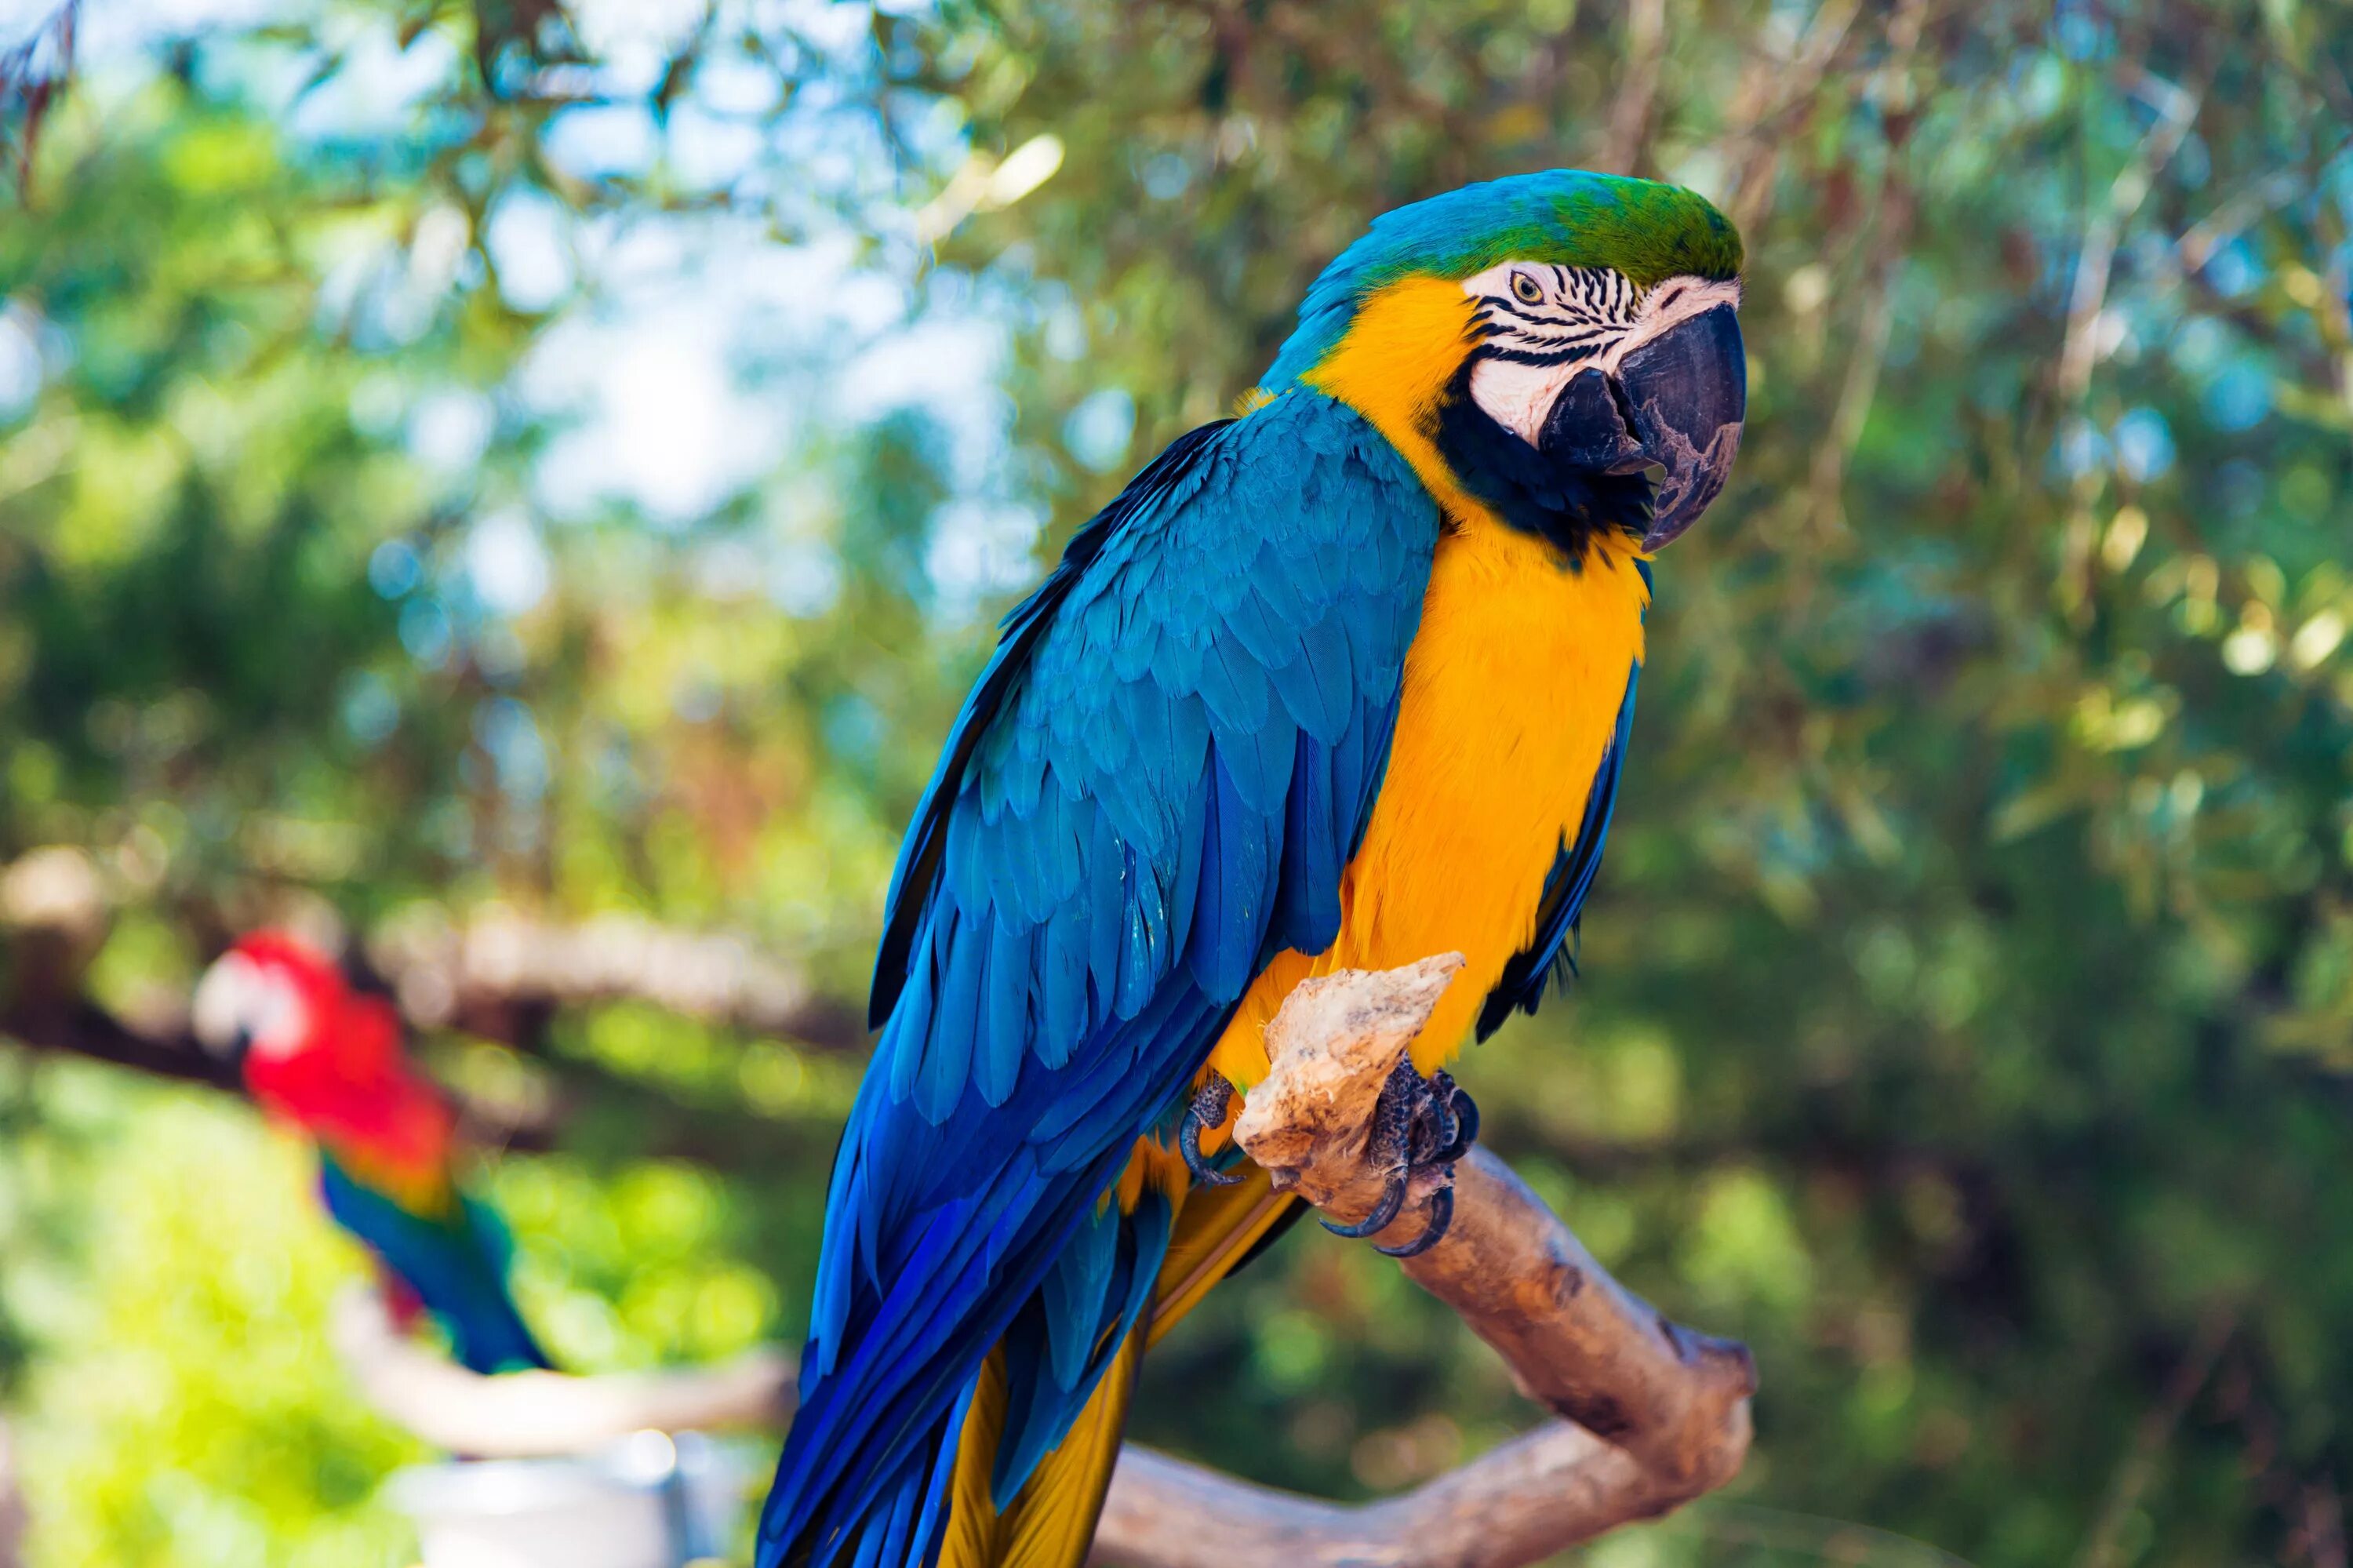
x=571, y=461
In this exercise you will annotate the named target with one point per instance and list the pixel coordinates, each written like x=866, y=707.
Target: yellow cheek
x=1405, y=344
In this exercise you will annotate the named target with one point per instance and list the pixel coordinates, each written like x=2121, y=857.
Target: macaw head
x=328, y=1057
x=1553, y=340
x=269, y=998
x=283, y=1012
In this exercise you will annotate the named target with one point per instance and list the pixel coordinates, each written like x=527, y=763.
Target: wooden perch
x=527, y=1414
x=1652, y=1414
x=54, y=917
x=12, y=1503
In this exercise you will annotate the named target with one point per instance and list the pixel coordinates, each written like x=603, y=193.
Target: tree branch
x=82, y=1028
x=2176, y=110
x=1638, y=90
x=499, y=975
x=1542, y=1491
x=500, y=962
x=32, y=73
x=12, y=1502
x=164, y=1048
x=1654, y=1414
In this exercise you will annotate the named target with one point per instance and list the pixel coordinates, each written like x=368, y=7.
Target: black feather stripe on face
x=1584, y=309
x=1529, y=490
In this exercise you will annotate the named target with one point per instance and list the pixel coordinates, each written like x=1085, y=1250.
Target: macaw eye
x=1524, y=290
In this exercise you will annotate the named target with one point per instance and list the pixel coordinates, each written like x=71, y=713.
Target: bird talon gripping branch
x=1208, y=1109
x=1422, y=1124
x=1442, y=1219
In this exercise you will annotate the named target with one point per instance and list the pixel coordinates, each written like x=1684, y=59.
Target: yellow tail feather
x=1051, y=1523
x=971, y=1539
x=1052, y=1520
x=1215, y=1231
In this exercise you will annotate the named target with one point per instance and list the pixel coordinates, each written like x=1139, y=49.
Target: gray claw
x=1443, y=1124
x=1207, y=1109
x=1441, y=1216
x=1462, y=1111
x=1392, y=1200
x=1422, y=1123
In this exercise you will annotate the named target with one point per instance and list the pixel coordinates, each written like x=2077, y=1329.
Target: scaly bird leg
x=1207, y=1109
x=1461, y=1118
x=1418, y=1123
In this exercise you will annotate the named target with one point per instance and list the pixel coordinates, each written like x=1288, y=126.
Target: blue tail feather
x=455, y=1263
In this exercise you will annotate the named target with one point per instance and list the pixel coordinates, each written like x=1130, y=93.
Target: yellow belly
x=1512, y=691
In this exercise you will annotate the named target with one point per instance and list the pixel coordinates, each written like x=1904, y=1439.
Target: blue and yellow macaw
x=1343, y=682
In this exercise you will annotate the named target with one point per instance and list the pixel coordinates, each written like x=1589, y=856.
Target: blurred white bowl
x=651, y=1502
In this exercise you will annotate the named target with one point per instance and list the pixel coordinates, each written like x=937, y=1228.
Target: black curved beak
x=1677, y=401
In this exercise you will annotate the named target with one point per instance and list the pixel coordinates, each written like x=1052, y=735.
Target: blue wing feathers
x=1045, y=1391
x=1234, y=687
x=1308, y=899
x=1171, y=476
x=1154, y=786
x=1063, y=992
x=1009, y=1032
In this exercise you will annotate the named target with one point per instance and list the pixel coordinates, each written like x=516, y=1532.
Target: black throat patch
x=1528, y=491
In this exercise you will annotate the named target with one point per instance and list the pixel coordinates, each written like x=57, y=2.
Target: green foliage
x=1969, y=990
x=190, y=1410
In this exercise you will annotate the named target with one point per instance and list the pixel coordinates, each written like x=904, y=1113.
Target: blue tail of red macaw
x=454, y=1261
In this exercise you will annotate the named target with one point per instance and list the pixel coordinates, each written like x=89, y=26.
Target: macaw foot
x=1207, y=1109
x=1418, y=1123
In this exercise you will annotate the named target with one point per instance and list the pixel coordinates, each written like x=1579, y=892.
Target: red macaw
x=328, y=1058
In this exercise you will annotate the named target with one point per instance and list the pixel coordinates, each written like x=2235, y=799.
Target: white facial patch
x=1543, y=323
x=239, y=998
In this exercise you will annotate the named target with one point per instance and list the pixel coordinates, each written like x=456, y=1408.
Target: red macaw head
x=283, y=1012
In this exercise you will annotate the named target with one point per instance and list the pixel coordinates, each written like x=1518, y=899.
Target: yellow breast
x=1511, y=695
x=1511, y=691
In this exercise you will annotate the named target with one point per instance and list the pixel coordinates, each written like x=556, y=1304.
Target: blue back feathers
x=1154, y=788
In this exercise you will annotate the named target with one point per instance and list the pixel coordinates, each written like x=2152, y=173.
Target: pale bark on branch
x=1638, y=89
x=496, y=972
x=12, y=1502
x=478, y=972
